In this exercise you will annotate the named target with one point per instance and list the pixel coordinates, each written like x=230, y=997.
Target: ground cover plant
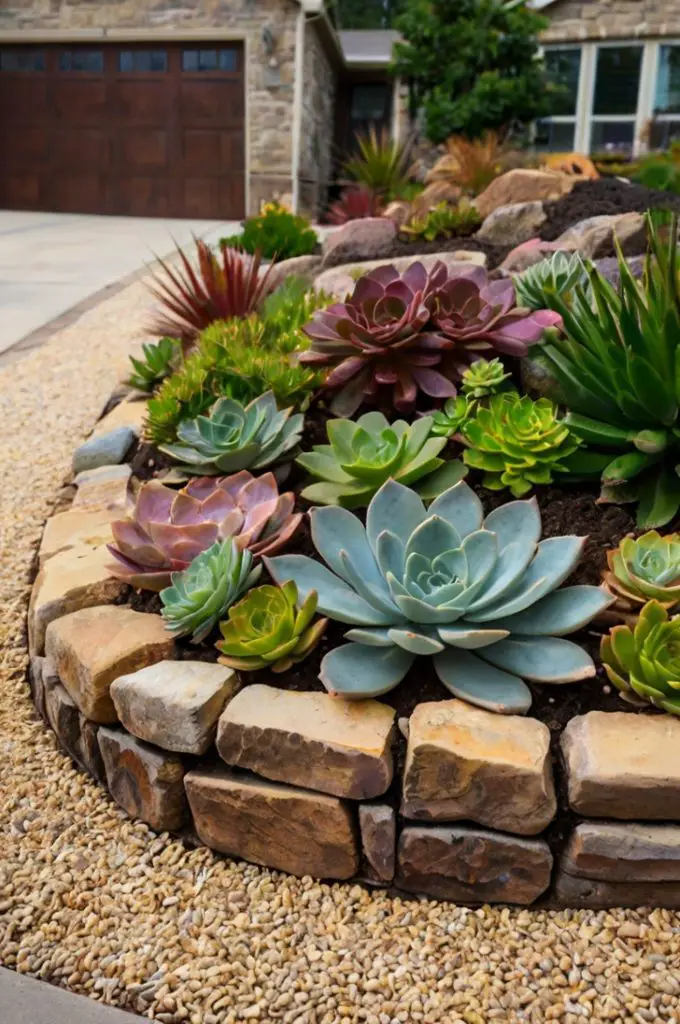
x=276, y=233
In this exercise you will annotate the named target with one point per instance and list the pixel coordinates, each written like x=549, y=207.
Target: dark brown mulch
x=602, y=197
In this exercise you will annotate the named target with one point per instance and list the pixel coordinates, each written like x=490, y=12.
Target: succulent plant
x=362, y=455
x=198, y=597
x=643, y=569
x=236, y=437
x=168, y=529
x=266, y=630
x=478, y=595
x=156, y=365
x=484, y=378
x=450, y=418
x=644, y=663
x=517, y=442
x=559, y=274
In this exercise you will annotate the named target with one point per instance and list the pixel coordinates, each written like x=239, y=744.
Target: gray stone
x=575, y=892
x=310, y=739
x=608, y=266
x=624, y=766
x=103, y=449
x=595, y=236
x=378, y=827
x=472, y=865
x=174, y=704
x=623, y=853
x=281, y=827
x=513, y=224
x=146, y=782
x=466, y=763
x=366, y=238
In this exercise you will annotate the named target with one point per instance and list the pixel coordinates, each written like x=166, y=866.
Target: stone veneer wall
x=318, y=123
x=611, y=19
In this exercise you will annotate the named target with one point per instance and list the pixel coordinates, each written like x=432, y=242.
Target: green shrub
x=276, y=233
x=444, y=221
x=659, y=171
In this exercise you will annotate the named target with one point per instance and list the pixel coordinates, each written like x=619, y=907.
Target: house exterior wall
x=573, y=20
x=317, y=123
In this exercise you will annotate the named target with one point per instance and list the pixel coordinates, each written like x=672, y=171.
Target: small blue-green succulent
x=558, y=274
x=478, y=595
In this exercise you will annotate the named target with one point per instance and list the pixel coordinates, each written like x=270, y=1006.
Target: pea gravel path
x=100, y=905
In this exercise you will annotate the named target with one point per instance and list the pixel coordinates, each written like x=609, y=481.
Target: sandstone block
x=595, y=236
x=378, y=827
x=76, y=528
x=623, y=853
x=146, y=782
x=513, y=224
x=588, y=892
x=366, y=238
x=75, y=734
x=36, y=683
x=523, y=185
x=107, y=487
x=340, y=280
x=130, y=413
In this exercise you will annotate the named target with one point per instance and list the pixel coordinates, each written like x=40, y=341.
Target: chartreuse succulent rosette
x=643, y=569
x=236, y=437
x=363, y=454
x=482, y=380
x=200, y=595
x=644, y=662
x=477, y=595
x=266, y=630
x=559, y=274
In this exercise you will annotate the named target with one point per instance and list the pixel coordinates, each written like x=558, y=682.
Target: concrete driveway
x=51, y=262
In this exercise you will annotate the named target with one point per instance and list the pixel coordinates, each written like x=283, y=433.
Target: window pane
x=617, y=79
x=142, y=60
x=564, y=68
x=159, y=60
x=616, y=135
x=554, y=138
x=668, y=82
x=228, y=60
x=22, y=60
x=189, y=60
x=663, y=133
x=207, y=60
x=126, y=60
x=91, y=61
x=369, y=102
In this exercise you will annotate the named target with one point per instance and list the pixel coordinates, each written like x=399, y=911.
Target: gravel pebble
x=97, y=903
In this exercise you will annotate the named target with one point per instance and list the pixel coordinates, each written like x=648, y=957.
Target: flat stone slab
x=75, y=578
x=588, y=892
x=310, y=739
x=25, y=1000
x=623, y=853
x=623, y=766
x=378, y=827
x=92, y=647
x=472, y=865
x=466, y=763
x=174, y=704
x=281, y=827
x=76, y=528
x=131, y=413
x=104, y=449
x=340, y=280
x=107, y=487
x=76, y=735
x=146, y=782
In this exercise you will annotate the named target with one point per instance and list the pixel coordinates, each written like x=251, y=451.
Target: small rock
x=513, y=224
x=310, y=739
x=73, y=579
x=472, y=865
x=130, y=413
x=103, y=449
x=524, y=185
x=76, y=735
x=378, y=827
x=107, y=487
x=464, y=762
x=623, y=853
x=595, y=236
x=588, y=892
x=281, y=827
x=174, y=704
x=146, y=782
x=366, y=238
x=623, y=765
x=76, y=528
x=92, y=647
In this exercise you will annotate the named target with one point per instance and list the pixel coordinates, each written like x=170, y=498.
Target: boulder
x=104, y=449
x=304, y=267
x=131, y=413
x=281, y=827
x=523, y=185
x=146, y=782
x=472, y=865
x=76, y=527
x=378, y=827
x=622, y=765
x=310, y=739
x=92, y=647
x=623, y=853
x=527, y=254
x=464, y=762
x=363, y=239
x=341, y=280
x=174, y=704
x=75, y=578
x=588, y=892
x=513, y=224
x=594, y=237
x=107, y=487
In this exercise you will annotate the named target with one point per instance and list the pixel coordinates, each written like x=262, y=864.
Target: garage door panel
x=143, y=102
x=81, y=147
x=28, y=148
x=80, y=193
x=142, y=149
x=80, y=101
x=24, y=99
x=201, y=194
x=150, y=193
x=21, y=191
x=208, y=103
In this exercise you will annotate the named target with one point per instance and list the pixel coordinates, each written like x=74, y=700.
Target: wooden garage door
x=150, y=130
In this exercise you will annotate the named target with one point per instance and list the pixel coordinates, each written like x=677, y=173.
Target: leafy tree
x=366, y=14
x=473, y=65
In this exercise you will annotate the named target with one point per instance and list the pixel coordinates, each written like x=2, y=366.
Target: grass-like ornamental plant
x=559, y=274
x=236, y=437
x=362, y=455
x=198, y=597
x=517, y=442
x=355, y=203
x=643, y=569
x=157, y=364
x=266, y=630
x=644, y=662
x=478, y=595
x=168, y=529
x=381, y=163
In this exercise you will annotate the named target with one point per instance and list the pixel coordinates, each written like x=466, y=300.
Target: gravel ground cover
x=98, y=904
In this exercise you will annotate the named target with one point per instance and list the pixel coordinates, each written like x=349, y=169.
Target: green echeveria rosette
x=643, y=569
x=484, y=378
x=644, y=662
x=200, y=595
x=560, y=273
x=266, y=630
x=362, y=455
x=235, y=437
x=517, y=442
x=449, y=420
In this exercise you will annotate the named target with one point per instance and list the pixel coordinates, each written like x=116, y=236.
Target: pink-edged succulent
x=169, y=528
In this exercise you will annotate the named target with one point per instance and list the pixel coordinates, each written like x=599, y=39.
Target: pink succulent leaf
x=196, y=536
x=258, y=489
x=231, y=524
x=433, y=383
x=135, y=544
x=348, y=369
x=154, y=501
x=187, y=510
x=284, y=510
x=269, y=543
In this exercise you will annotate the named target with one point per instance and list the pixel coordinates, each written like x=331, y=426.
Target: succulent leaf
x=558, y=274
x=485, y=378
x=644, y=663
x=156, y=365
x=643, y=569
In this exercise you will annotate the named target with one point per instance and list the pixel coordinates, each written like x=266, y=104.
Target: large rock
x=75, y=578
x=310, y=739
x=471, y=865
x=76, y=528
x=523, y=185
x=366, y=238
x=340, y=280
x=527, y=254
x=378, y=827
x=304, y=267
x=588, y=892
x=107, y=487
x=92, y=647
x=104, y=449
x=513, y=224
x=623, y=765
x=623, y=853
x=76, y=735
x=279, y=826
x=466, y=763
x=131, y=413
x=595, y=236
x=146, y=782
x=174, y=704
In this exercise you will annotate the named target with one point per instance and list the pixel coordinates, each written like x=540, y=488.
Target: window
x=91, y=61
x=22, y=60
x=667, y=100
x=370, y=102
x=558, y=133
x=142, y=60
x=555, y=136
x=210, y=60
x=615, y=97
